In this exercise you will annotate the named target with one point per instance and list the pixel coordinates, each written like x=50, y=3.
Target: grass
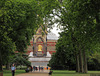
x=55, y=73
x=8, y=72
x=71, y=73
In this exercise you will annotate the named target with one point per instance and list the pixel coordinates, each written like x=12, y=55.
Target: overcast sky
x=55, y=30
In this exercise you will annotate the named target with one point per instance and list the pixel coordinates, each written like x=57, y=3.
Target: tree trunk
x=0, y=66
x=85, y=61
x=7, y=66
x=81, y=61
x=0, y=62
x=77, y=64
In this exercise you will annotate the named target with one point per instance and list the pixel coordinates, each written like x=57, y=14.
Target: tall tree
x=18, y=21
x=81, y=20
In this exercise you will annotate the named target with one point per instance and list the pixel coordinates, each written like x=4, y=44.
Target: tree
x=81, y=25
x=5, y=51
x=19, y=20
x=64, y=56
x=14, y=30
x=20, y=59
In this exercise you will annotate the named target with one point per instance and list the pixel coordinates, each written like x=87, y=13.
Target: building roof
x=52, y=36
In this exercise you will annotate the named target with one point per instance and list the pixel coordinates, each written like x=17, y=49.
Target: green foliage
x=15, y=31
x=94, y=61
x=64, y=56
x=81, y=31
x=20, y=59
x=19, y=19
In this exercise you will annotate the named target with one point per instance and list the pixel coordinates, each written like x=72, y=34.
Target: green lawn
x=55, y=73
x=71, y=73
x=8, y=72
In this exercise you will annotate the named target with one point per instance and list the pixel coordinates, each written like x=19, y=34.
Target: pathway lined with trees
x=79, y=42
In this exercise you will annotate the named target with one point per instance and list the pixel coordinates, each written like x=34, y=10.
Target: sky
x=55, y=30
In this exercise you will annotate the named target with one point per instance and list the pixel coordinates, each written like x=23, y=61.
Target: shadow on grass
x=17, y=71
x=65, y=73
x=85, y=74
x=70, y=73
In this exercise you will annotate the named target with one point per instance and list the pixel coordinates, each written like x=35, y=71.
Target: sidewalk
x=32, y=74
x=36, y=73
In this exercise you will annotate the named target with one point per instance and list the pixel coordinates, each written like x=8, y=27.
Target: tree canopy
x=19, y=20
x=81, y=23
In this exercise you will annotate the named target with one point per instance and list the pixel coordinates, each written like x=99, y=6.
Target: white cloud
x=56, y=30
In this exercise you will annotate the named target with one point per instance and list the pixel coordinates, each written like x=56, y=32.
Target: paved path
x=37, y=73
x=27, y=74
